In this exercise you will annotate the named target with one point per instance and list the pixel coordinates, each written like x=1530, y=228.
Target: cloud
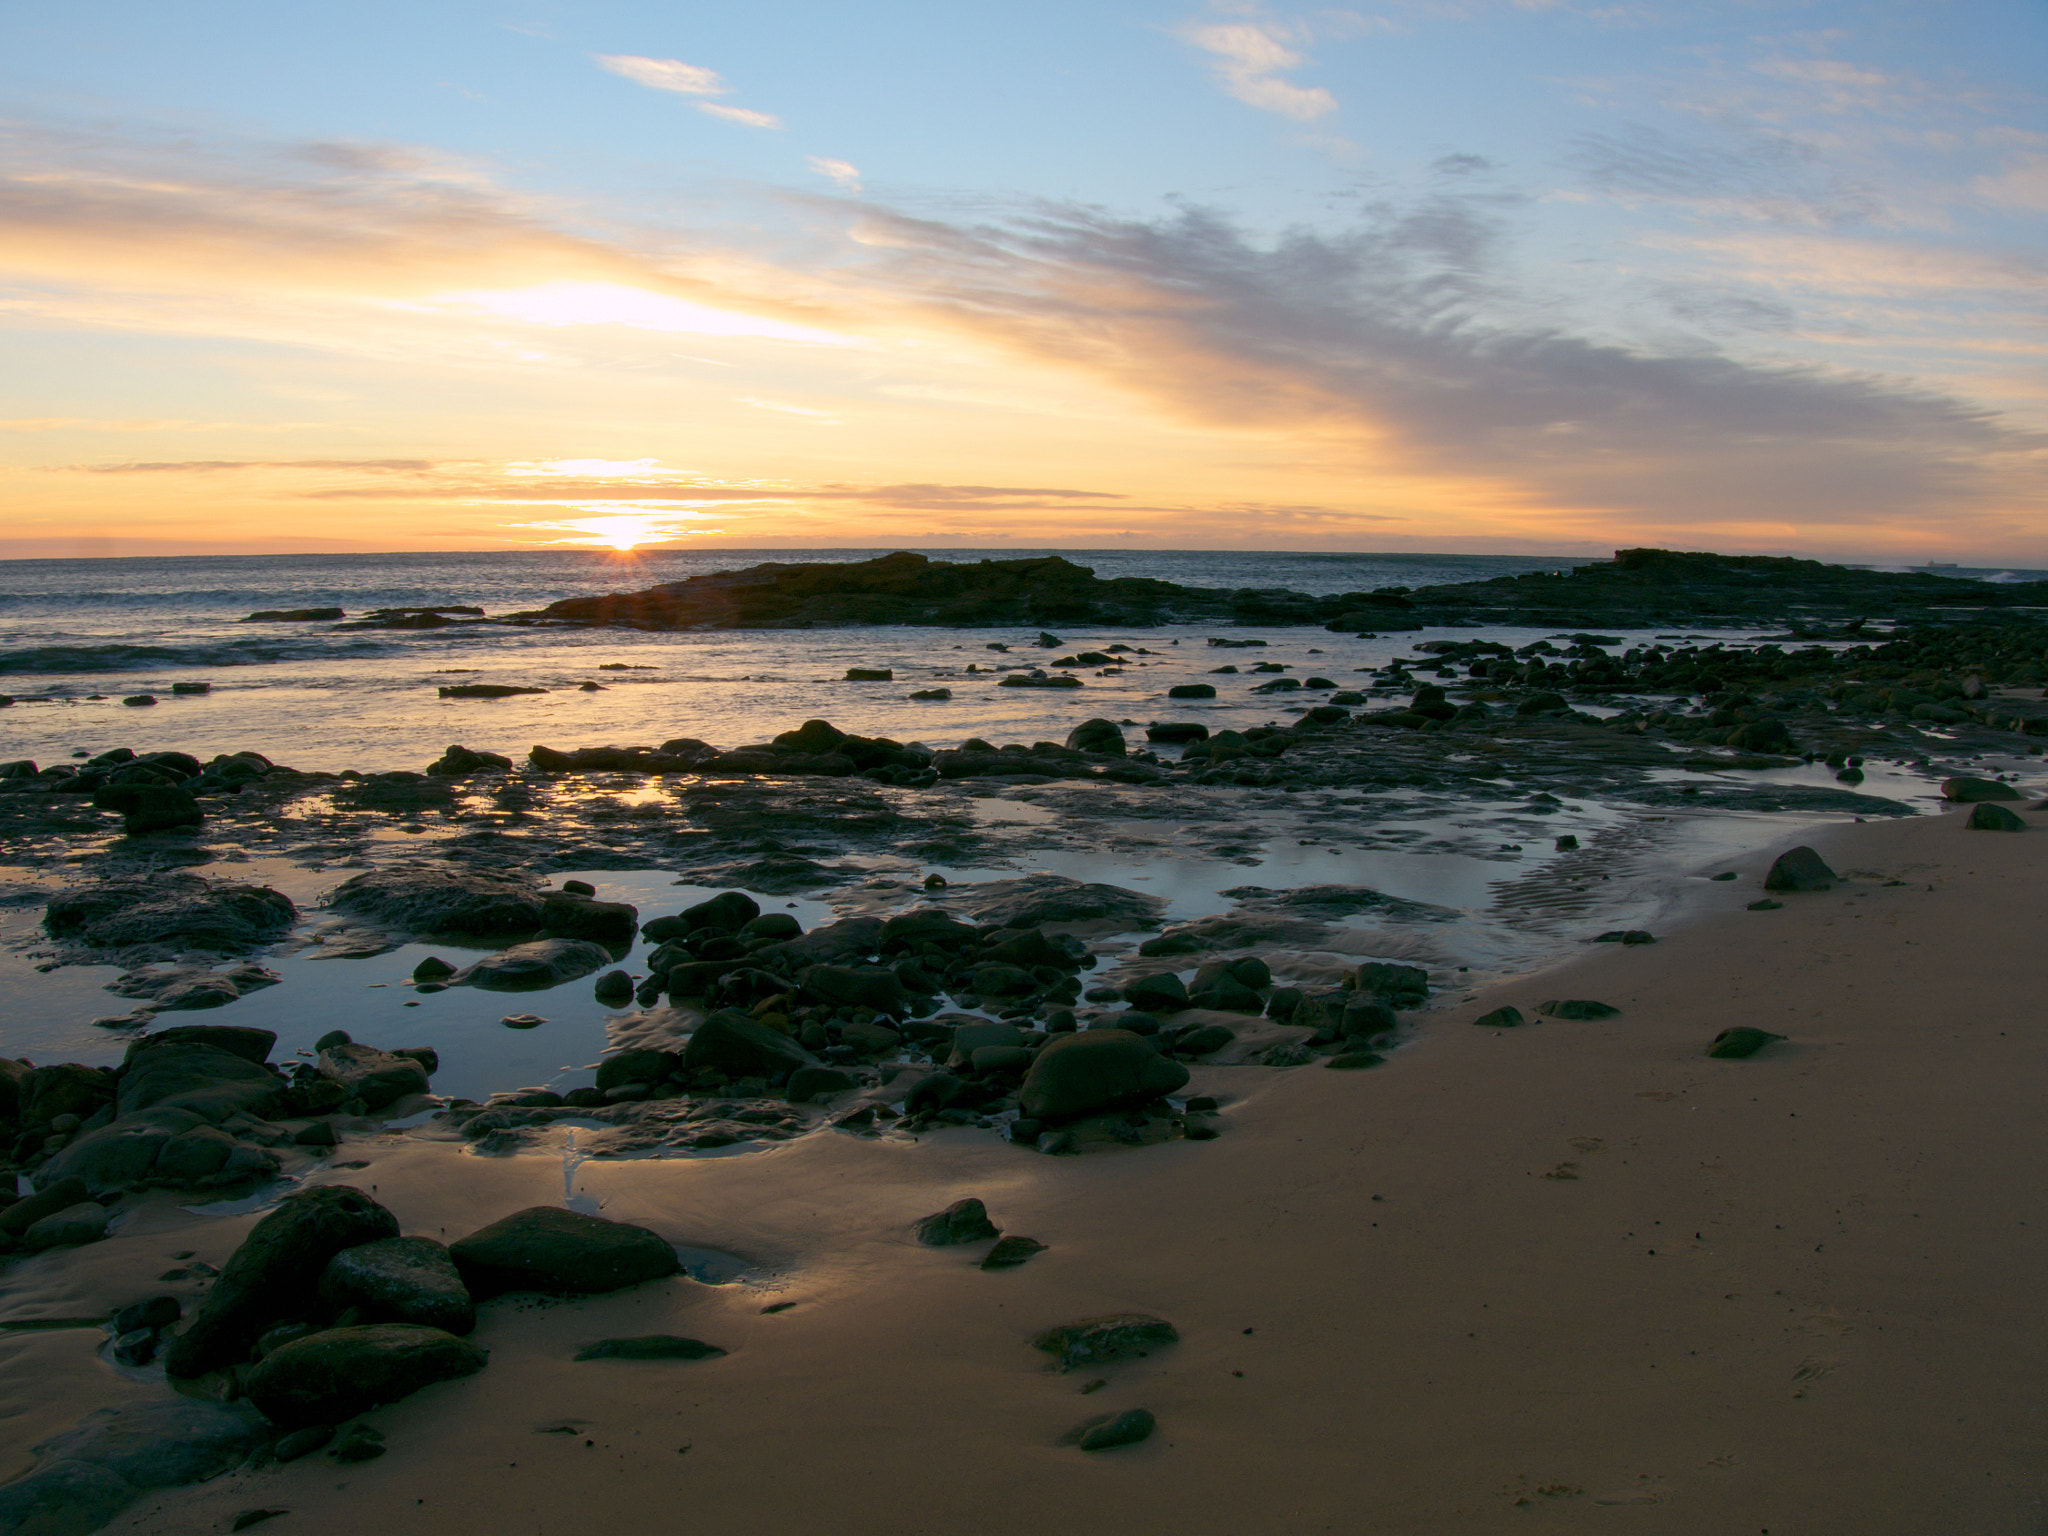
x=1249, y=58
x=665, y=74
x=840, y=173
x=217, y=466
x=741, y=115
x=1768, y=177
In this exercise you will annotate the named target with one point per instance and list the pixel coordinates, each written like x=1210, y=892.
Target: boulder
x=239, y=1040
x=640, y=1066
x=62, y=1088
x=1508, y=1017
x=547, y=1248
x=1969, y=791
x=964, y=1221
x=738, y=1045
x=534, y=966
x=72, y=1227
x=149, y=807
x=202, y=1079
x=1083, y=1074
x=1177, y=732
x=378, y=1078
x=864, y=986
x=458, y=762
x=569, y=916
x=730, y=910
x=850, y=940
x=1986, y=817
x=176, y=910
x=1577, y=1008
x=650, y=1346
x=327, y=1377
x=1163, y=993
x=420, y=898
x=400, y=1280
x=1102, y=736
x=1009, y=1252
x=269, y=1277
x=54, y=1196
x=1095, y=1340
x=1399, y=986
x=1800, y=869
x=87, y=1475
x=808, y=1084
x=1740, y=1042
x=1192, y=691
x=1031, y=901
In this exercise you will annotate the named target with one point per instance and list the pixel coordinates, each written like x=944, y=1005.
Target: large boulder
x=570, y=916
x=236, y=1039
x=63, y=1088
x=401, y=1280
x=272, y=1274
x=167, y=1148
x=1163, y=993
x=202, y=1079
x=149, y=807
x=1101, y=736
x=87, y=1475
x=1800, y=869
x=849, y=940
x=424, y=898
x=548, y=1248
x=327, y=1377
x=1084, y=1074
x=534, y=966
x=180, y=911
x=1969, y=791
x=376, y=1077
x=739, y=1045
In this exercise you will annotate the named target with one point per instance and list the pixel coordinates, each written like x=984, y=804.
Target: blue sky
x=1447, y=274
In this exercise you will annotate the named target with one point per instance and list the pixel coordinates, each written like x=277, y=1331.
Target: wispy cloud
x=842, y=174
x=743, y=115
x=1249, y=57
x=665, y=74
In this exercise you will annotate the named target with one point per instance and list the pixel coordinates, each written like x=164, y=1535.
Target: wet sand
x=1790, y=1294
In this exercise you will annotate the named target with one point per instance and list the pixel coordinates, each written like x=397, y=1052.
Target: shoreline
x=1847, y=1343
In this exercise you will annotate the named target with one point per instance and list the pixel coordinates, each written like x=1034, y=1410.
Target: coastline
x=1847, y=1343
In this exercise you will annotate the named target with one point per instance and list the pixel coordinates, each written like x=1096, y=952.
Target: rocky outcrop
x=171, y=910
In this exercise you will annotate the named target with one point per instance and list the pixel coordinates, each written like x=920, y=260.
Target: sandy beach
x=1512, y=1280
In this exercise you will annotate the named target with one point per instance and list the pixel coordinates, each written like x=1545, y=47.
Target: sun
x=623, y=533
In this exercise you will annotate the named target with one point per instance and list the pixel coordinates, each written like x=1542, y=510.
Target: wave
x=144, y=658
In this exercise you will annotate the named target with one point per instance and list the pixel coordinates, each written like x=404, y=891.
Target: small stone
x=613, y=987
x=1578, y=1008
x=157, y=1312
x=652, y=1346
x=1118, y=1336
x=1009, y=1252
x=522, y=1021
x=1766, y=905
x=1108, y=1431
x=253, y=1517
x=1354, y=1061
x=302, y=1442
x=1501, y=1018
x=136, y=1347
x=1739, y=1042
x=964, y=1221
x=358, y=1442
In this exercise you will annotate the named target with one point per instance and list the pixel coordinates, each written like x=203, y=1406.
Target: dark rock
x=964, y=1221
x=149, y=807
x=62, y=1088
x=87, y=1475
x=869, y=675
x=484, y=690
x=275, y=1269
x=134, y=1348
x=1766, y=905
x=1968, y=791
x=808, y=1084
x=1355, y=1061
x=302, y=1442
x=1400, y=986
x=534, y=966
x=547, y=1248
x=651, y=1346
x=1094, y=1340
x=458, y=762
x=207, y=1081
x=1102, y=736
x=614, y=987
x=738, y=1045
x=1800, y=869
x=1107, y=1431
x=1578, y=1008
x=176, y=910
x=876, y=987
x=236, y=1039
x=1009, y=1252
x=378, y=1078
x=58, y=1195
x=1100, y=1069
x=1163, y=993
x=1205, y=1040
x=641, y=1066
x=335, y=1375
x=294, y=616
x=1501, y=1018
x=72, y=1227
x=1626, y=936
x=358, y=1443
x=570, y=916
x=1192, y=691
x=422, y=899
x=1739, y=1042
x=730, y=910
x=1177, y=731
x=156, y=1312
x=400, y=1280
x=1986, y=817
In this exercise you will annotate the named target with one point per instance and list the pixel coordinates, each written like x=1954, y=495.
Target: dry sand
x=1794, y=1294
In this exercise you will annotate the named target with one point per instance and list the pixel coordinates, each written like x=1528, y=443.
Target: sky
x=1516, y=276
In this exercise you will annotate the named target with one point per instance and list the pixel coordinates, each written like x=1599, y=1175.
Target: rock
x=1226, y=994
x=175, y=910
x=1501, y=1018
x=933, y=694
x=876, y=987
x=1739, y=1042
x=484, y=690
x=1800, y=869
x=58, y=1195
x=87, y=1475
x=1399, y=986
x=1994, y=818
x=522, y=1021
x=870, y=1039
x=273, y=1271
x=869, y=675
x=1103, y=736
x=1039, y=679
x=335, y=1375
x=1766, y=905
x=72, y=1227
x=730, y=910
x=613, y=987
x=62, y=1088
x=1082, y=1074
x=1578, y=1008
x=570, y=916
x=809, y=1084
x=1206, y=1039
x=1162, y=993
x=534, y=966
x=400, y=1280
x=739, y=1045
x=1355, y=1061
x=202, y=1079
x=302, y=1442
x=1094, y=1340
x=547, y=1248
x=149, y=807
x=1968, y=791
x=238, y=1040
x=156, y=1312
x=1002, y=981
x=1009, y=1252
x=1625, y=936
x=651, y=1346
x=640, y=1066
x=294, y=616
x=1105, y=1432
x=358, y=1443
x=1192, y=691
x=134, y=1348
x=378, y=1078
x=964, y=1221
x=422, y=899
x=458, y=762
